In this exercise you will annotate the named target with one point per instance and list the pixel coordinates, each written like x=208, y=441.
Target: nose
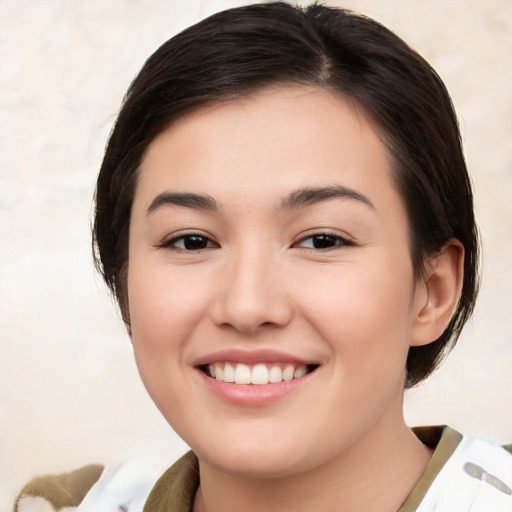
x=252, y=294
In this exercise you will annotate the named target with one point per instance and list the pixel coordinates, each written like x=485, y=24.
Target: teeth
x=229, y=373
x=275, y=374
x=219, y=372
x=297, y=374
x=259, y=374
x=242, y=374
x=288, y=373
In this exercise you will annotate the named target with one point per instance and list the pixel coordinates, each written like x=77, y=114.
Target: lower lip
x=252, y=395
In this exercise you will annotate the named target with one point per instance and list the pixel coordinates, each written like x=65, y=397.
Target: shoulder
x=176, y=488
x=476, y=476
x=123, y=486
x=55, y=492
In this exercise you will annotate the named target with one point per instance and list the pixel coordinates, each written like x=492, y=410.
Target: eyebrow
x=300, y=198
x=312, y=195
x=189, y=200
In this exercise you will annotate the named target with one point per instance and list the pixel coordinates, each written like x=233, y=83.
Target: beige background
x=69, y=391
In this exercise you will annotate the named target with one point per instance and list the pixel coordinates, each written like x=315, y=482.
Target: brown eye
x=190, y=243
x=322, y=241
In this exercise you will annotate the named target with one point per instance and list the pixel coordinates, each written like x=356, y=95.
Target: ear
x=438, y=295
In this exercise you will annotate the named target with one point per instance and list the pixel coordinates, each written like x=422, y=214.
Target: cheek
x=163, y=313
x=363, y=309
x=163, y=304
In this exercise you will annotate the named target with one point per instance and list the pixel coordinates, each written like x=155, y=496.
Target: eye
x=322, y=241
x=192, y=242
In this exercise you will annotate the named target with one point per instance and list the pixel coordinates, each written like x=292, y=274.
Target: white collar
x=476, y=478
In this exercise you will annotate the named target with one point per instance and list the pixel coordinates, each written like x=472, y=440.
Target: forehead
x=265, y=144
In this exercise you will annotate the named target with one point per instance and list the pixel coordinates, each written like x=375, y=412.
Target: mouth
x=259, y=374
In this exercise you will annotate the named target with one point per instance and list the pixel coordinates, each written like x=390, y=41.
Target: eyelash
x=338, y=241
x=322, y=237
x=172, y=243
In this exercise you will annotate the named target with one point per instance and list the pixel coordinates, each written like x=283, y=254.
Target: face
x=270, y=285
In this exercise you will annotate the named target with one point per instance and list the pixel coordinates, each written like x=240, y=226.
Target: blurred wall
x=69, y=390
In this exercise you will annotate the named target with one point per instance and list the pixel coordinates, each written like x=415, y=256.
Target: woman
x=285, y=218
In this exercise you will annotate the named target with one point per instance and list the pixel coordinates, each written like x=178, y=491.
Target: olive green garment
x=175, y=491
x=62, y=491
x=176, y=488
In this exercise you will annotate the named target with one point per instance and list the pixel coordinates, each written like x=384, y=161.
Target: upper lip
x=251, y=357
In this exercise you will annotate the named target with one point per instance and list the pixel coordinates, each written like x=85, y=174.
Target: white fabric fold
x=476, y=478
x=123, y=487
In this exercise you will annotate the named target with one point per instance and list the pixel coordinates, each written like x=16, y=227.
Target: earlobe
x=437, y=297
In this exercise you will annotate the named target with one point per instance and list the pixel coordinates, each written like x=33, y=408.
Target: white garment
x=122, y=487
x=476, y=478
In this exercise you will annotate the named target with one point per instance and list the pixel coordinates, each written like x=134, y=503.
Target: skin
x=259, y=282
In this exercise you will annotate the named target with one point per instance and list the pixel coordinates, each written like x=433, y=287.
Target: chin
x=258, y=459
x=255, y=464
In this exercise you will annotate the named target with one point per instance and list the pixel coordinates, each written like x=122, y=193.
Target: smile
x=258, y=374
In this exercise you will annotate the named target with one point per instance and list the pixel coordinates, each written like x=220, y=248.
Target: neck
x=375, y=475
